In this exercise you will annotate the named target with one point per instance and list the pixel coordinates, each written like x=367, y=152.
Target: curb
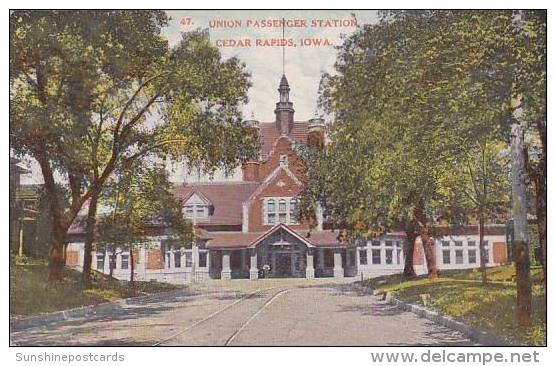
x=473, y=333
x=18, y=324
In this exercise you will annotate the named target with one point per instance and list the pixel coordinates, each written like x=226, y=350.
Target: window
x=188, y=259
x=398, y=256
x=196, y=211
x=189, y=211
x=458, y=243
x=363, y=257
x=271, y=212
x=293, y=213
x=281, y=210
x=125, y=261
x=376, y=256
x=282, y=205
x=445, y=243
x=100, y=262
x=167, y=261
x=398, y=244
x=389, y=256
x=203, y=259
x=471, y=243
x=472, y=254
x=375, y=243
x=486, y=255
x=388, y=243
x=446, y=256
x=283, y=160
x=459, y=256
x=485, y=246
x=177, y=259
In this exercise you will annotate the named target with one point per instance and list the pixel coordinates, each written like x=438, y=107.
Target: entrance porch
x=282, y=253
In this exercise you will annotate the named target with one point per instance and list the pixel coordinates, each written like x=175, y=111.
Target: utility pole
x=519, y=200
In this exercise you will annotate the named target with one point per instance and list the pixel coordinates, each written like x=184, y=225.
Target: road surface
x=250, y=313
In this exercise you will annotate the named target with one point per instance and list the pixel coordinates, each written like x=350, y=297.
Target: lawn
x=461, y=295
x=31, y=294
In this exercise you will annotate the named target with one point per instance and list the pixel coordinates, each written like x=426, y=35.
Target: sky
x=303, y=65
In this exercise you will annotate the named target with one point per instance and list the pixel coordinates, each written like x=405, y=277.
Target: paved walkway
x=251, y=313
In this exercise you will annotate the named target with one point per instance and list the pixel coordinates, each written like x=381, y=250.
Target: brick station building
x=245, y=227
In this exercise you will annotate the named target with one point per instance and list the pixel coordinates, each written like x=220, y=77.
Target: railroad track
x=242, y=326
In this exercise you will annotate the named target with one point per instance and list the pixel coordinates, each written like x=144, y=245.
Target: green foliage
x=136, y=200
x=421, y=103
x=461, y=294
x=91, y=91
x=31, y=294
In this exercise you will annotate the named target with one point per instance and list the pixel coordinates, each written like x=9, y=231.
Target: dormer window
x=196, y=211
x=196, y=208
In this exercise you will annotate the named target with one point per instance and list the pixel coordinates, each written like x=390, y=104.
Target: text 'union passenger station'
x=249, y=228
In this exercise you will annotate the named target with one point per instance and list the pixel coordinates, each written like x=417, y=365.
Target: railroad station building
x=249, y=228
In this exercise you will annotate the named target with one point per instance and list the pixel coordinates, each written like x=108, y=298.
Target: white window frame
x=281, y=206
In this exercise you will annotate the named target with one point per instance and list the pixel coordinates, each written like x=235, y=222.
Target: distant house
x=245, y=226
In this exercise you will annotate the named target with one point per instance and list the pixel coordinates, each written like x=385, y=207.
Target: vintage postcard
x=279, y=178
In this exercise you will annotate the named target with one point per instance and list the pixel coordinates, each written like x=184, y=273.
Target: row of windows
x=472, y=257
x=124, y=263
x=459, y=243
x=195, y=210
x=188, y=259
x=391, y=256
x=280, y=210
x=386, y=243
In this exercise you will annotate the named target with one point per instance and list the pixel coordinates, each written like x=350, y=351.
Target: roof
x=227, y=198
x=269, y=134
x=240, y=240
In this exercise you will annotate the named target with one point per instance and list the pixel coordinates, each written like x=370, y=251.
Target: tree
x=481, y=173
x=405, y=87
x=139, y=197
x=95, y=90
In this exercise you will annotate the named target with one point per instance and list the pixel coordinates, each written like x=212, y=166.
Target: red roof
x=227, y=198
x=240, y=240
x=269, y=134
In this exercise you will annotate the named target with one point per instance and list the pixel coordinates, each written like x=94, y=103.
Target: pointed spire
x=284, y=81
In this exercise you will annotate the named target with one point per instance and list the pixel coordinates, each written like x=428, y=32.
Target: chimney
x=315, y=138
x=250, y=170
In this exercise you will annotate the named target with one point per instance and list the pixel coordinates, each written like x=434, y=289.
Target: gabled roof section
x=270, y=178
x=198, y=194
x=225, y=197
x=278, y=228
x=269, y=134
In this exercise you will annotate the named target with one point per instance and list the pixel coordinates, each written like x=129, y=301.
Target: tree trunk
x=409, y=247
x=519, y=210
x=482, y=252
x=89, y=240
x=132, y=266
x=540, y=205
x=56, y=253
x=112, y=263
x=430, y=257
x=540, y=192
